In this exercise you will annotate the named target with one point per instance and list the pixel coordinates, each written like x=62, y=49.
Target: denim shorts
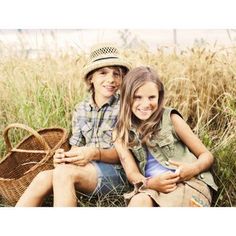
x=111, y=179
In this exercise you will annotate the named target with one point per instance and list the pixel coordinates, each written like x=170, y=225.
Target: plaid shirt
x=92, y=126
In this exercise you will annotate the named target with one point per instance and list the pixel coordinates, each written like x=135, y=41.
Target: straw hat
x=102, y=55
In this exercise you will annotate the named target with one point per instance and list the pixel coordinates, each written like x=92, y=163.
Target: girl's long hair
x=131, y=83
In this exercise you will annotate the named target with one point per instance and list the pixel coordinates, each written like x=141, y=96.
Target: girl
x=92, y=164
x=160, y=154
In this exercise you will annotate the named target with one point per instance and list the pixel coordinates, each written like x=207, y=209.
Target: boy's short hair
x=121, y=70
x=104, y=55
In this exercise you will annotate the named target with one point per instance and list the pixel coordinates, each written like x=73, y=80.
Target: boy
x=91, y=166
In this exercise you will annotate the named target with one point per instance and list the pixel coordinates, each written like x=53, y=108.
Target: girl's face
x=145, y=101
x=106, y=82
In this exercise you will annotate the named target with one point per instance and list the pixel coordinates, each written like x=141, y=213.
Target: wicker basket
x=32, y=155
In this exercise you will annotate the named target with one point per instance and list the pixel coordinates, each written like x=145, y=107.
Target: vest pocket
x=138, y=153
x=166, y=143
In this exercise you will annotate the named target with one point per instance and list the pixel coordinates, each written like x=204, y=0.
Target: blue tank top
x=153, y=167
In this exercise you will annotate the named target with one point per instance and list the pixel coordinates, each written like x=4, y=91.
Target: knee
x=42, y=177
x=63, y=173
x=141, y=200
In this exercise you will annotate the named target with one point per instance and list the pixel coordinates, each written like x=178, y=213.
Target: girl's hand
x=186, y=170
x=58, y=157
x=80, y=156
x=165, y=183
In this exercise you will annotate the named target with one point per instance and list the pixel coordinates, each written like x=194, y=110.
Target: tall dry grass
x=199, y=82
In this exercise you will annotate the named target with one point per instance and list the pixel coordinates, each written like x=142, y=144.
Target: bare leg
x=68, y=177
x=40, y=186
x=141, y=200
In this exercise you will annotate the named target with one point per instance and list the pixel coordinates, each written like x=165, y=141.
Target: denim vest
x=167, y=146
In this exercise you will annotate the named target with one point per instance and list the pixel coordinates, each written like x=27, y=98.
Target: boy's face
x=106, y=81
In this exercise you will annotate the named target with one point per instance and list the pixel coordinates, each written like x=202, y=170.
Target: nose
x=145, y=102
x=110, y=78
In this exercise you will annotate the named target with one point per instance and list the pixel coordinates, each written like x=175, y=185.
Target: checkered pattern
x=93, y=126
x=104, y=52
x=101, y=55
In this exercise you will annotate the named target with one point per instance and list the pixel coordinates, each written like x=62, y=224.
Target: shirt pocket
x=106, y=135
x=87, y=131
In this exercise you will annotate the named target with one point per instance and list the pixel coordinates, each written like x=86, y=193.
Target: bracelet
x=145, y=181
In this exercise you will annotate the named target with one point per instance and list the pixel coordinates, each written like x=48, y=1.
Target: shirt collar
x=92, y=105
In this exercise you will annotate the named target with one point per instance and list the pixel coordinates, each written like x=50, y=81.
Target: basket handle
x=30, y=130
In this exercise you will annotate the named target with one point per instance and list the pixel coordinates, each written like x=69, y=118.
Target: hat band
x=105, y=58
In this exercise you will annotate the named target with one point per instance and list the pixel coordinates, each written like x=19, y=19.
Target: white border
x=117, y=221
x=110, y=14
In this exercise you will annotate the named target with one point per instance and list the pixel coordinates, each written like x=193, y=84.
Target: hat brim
x=107, y=62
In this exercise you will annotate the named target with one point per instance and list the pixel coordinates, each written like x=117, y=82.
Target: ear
x=91, y=80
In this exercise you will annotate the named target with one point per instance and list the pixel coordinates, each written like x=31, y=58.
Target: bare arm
x=83, y=155
x=164, y=183
x=127, y=160
x=205, y=158
x=108, y=156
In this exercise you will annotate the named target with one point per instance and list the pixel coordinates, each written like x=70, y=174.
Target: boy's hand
x=186, y=170
x=80, y=156
x=58, y=157
x=165, y=183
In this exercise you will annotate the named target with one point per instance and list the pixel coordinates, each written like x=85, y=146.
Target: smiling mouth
x=110, y=88
x=144, y=111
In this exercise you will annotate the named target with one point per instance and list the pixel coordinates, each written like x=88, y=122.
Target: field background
x=40, y=87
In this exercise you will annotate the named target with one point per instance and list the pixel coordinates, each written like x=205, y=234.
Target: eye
x=137, y=97
x=102, y=72
x=116, y=74
x=153, y=97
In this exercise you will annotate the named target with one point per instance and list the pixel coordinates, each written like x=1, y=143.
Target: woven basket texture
x=31, y=156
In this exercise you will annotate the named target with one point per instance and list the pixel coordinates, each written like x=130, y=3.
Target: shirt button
x=202, y=176
x=167, y=163
x=154, y=149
